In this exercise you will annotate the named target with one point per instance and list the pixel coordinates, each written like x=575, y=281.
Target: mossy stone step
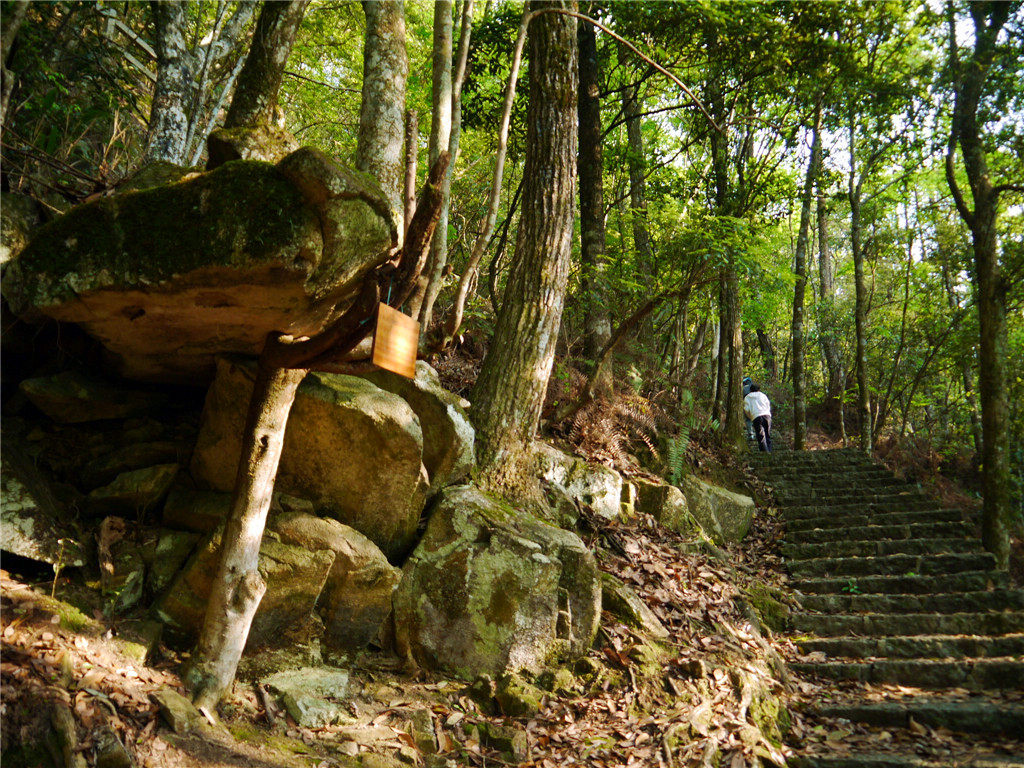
x=902, y=624
x=920, y=565
x=873, y=548
x=974, y=675
x=884, y=525
x=851, y=478
x=918, y=647
x=950, y=602
x=966, y=581
x=839, y=508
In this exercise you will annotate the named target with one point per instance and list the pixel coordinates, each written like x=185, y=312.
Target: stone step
x=902, y=624
x=966, y=581
x=896, y=760
x=920, y=647
x=974, y=675
x=859, y=547
x=975, y=715
x=840, y=456
x=885, y=525
x=867, y=495
x=852, y=478
x=921, y=565
x=839, y=509
x=950, y=602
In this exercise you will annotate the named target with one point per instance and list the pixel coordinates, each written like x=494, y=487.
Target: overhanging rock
x=170, y=277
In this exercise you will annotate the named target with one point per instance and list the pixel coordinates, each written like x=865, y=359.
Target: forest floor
x=680, y=708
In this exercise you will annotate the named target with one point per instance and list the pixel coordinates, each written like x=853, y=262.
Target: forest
x=627, y=207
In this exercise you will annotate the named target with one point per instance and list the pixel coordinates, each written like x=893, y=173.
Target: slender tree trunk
x=593, y=247
x=861, y=307
x=168, y=122
x=735, y=422
x=638, y=199
x=510, y=391
x=238, y=586
x=969, y=83
x=255, y=98
x=827, y=312
x=722, y=347
x=800, y=270
x=382, y=115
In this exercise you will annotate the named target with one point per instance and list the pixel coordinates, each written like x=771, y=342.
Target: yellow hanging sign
x=395, y=342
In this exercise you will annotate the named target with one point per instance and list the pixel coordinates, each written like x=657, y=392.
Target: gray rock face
x=723, y=515
x=170, y=277
x=294, y=578
x=448, y=436
x=352, y=449
x=356, y=599
x=666, y=504
x=32, y=522
x=592, y=485
x=491, y=590
x=73, y=398
x=625, y=604
x=19, y=217
x=313, y=696
x=133, y=493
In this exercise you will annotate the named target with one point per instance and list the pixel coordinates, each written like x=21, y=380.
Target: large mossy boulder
x=168, y=278
x=294, y=575
x=723, y=515
x=490, y=590
x=448, y=436
x=590, y=485
x=356, y=598
x=666, y=504
x=350, y=448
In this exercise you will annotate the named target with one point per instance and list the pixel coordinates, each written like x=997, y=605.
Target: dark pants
x=763, y=431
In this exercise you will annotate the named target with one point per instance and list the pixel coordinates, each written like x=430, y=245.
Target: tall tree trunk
x=735, y=422
x=10, y=23
x=638, y=200
x=255, y=98
x=771, y=360
x=412, y=135
x=440, y=138
x=969, y=83
x=168, y=121
x=827, y=298
x=382, y=113
x=510, y=391
x=721, y=359
x=800, y=270
x=593, y=247
x=861, y=307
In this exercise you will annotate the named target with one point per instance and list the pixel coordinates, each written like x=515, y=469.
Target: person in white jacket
x=758, y=409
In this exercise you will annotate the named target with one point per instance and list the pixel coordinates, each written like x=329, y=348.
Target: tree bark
x=168, y=121
x=969, y=84
x=861, y=307
x=11, y=23
x=510, y=391
x=593, y=247
x=800, y=270
x=382, y=114
x=412, y=137
x=255, y=99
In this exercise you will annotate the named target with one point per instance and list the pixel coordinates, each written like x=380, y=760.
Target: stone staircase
x=903, y=613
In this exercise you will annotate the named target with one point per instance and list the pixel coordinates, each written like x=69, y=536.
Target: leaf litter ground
x=691, y=706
